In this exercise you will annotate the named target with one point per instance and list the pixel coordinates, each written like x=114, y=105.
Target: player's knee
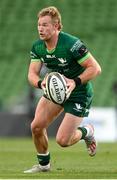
x=36, y=129
x=62, y=141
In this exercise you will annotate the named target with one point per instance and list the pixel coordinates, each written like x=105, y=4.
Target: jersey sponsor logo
x=62, y=60
x=76, y=46
x=50, y=56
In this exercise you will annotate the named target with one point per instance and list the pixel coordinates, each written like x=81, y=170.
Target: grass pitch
x=16, y=155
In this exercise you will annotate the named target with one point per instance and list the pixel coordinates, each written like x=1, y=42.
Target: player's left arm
x=92, y=69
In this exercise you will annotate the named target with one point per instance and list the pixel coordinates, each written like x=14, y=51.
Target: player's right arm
x=35, y=65
x=33, y=73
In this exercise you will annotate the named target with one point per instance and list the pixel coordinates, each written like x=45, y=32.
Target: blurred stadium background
x=95, y=22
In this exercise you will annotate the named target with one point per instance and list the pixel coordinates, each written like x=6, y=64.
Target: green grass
x=17, y=155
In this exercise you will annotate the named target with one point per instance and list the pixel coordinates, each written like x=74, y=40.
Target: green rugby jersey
x=65, y=59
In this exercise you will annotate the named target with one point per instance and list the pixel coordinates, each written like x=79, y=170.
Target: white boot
x=90, y=140
x=38, y=168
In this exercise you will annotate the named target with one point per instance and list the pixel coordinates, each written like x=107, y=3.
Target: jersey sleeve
x=79, y=51
x=33, y=55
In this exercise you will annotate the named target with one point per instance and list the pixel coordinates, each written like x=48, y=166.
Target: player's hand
x=70, y=86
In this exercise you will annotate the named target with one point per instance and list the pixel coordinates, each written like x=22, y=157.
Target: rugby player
x=68, y=55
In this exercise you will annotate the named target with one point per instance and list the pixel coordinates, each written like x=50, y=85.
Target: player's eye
x=45, y=24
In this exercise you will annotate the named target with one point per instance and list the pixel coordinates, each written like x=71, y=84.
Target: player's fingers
x=44, y=90
x=68, y=92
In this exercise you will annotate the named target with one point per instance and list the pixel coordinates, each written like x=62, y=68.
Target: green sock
x=43, y=159
x=84, y=131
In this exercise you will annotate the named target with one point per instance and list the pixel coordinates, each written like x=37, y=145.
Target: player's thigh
x=46, y=112
x=68, y=126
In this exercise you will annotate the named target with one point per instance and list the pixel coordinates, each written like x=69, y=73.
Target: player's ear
x=56, y=25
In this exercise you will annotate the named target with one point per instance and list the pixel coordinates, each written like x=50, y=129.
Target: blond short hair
x=53, y=13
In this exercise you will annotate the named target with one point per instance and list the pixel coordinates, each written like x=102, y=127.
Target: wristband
x=77, y=81
x=39, y=84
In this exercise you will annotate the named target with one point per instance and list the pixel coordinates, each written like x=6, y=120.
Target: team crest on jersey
x=62, y=60
x=78, y=107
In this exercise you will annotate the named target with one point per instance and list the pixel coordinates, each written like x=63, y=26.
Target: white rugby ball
x=56, y=87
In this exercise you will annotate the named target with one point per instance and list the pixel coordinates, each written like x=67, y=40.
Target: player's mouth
x=42, y=35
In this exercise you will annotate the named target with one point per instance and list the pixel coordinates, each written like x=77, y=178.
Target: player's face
x=46, y=28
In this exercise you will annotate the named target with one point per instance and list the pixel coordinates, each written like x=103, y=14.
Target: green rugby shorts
x=79, y=108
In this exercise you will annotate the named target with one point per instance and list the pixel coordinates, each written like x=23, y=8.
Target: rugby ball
x=56, y=87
